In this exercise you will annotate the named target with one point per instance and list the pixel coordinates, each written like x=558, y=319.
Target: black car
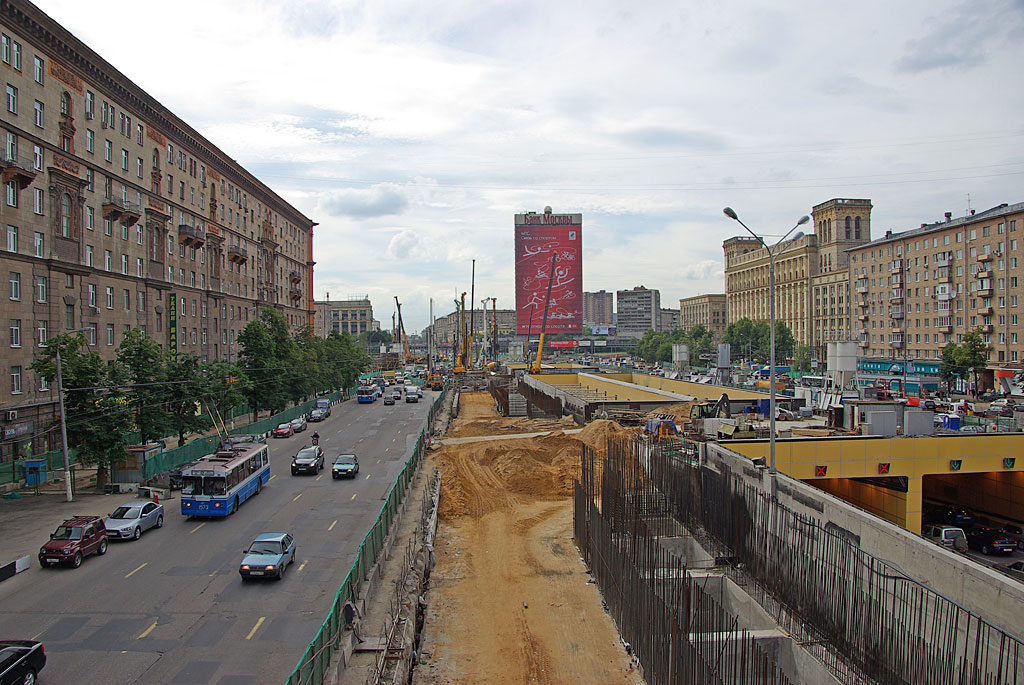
x=21, y=661
x=317, y=415
x=990, y=541
x=308, y=460
x=989, y=396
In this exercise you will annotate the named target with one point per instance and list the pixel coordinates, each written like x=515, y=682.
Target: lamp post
x=729, y=212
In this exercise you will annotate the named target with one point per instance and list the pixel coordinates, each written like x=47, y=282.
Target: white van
x=947, y=536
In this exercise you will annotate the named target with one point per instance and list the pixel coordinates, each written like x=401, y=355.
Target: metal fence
x=865, y=619
x=316, y=659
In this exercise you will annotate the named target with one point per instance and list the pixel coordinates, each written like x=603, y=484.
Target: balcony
x=896, y=280
x=944, y=328
x=190, y=236
x=238, y=255
x=896, y=265
x=128, y=213
x=984, y=292
x=896, y=294
x=942, y=261
x=862, y=317
x=984, y=311
x=896, y=340
x=863, y=342
x=294, y=294
x=20, y=170
x=945, y=295
x=985, y=257
x=861, y=285
x=294, y=277
x=895, y=312
x=986, y=328
x=983, y=274
x=944, y=276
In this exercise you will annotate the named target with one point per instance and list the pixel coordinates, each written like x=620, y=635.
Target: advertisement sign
x=172, y=324
x=537, y=237
x=563, y=343
x=603, y=330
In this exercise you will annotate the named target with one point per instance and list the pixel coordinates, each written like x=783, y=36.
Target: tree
x=98, y=419
x=141, y=364
x=973, y=354
x=225, y=386
x=260, y=364
x=802, y=358
x=951, y=368
x=741, y=337
x=186, y=391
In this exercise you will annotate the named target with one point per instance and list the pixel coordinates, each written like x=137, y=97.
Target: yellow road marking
x=272, y=478
x=320, y=476
x=367, y=476
x=329, y=528
x=197, y=527
x=213, y=574
x=256, y=627
x=36, y=636
x=354, y=495
x=301, y=566
x=137, y=570
x=147, y=631
x=297, y=496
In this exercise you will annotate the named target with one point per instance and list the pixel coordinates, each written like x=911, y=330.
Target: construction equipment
x=401, y=332
x=544, y=321
x=462, y=361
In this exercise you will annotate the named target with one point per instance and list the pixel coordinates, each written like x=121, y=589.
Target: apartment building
x=117, y=215
x=598, y=308
x=446, y=329
x=353, y=315
x=637, y=311
x=708, y=310
x=918, y=290
x=668, y=320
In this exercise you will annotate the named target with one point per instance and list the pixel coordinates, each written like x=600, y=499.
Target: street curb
x=15, y=567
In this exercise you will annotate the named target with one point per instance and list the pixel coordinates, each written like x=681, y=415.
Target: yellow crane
x=544, y=321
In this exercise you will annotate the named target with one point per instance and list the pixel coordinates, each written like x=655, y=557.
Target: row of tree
x=656, y=346
x=960, y=360
x=146, y=389
x=748, y=339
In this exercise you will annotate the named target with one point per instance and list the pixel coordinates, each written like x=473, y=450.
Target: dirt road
x=510, y=599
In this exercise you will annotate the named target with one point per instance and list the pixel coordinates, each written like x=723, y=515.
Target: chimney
x=949, y=215
x=972, y=212
x=888, y=233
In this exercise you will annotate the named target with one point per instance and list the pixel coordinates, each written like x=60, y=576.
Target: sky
x=413, y=132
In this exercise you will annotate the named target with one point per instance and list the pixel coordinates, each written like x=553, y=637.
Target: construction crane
x=401, y=332
x=462, y=361
x=544, y=321
x=494, y=329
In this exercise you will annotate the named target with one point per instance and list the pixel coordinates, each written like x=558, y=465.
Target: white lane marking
x=354, y=495
x=297, y=497
x=331, y=527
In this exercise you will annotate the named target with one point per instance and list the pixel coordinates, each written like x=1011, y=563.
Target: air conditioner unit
x=12, y=415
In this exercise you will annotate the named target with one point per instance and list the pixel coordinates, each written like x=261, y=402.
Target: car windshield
x=126, y=513
x=68, y=533
x=306, y=454
x=345, y=459
x=296, y=422
x=265, y=547
x=285, y=425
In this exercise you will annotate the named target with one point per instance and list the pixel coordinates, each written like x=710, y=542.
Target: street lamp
x=779, y=246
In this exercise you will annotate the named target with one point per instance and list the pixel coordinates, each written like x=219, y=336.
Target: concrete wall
x=990, y=594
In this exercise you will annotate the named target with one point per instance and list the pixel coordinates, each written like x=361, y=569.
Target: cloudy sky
x=413, y=131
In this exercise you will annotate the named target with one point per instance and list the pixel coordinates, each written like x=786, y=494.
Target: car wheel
x=160, y=521
x=334, y=476
x=280, y=571
x=77, y=560
x=29, y=678
x=102, y=549
x=259, y=485
x=137, y=533
x=293, y=472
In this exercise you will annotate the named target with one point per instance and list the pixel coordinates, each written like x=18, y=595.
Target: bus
x=366, y=393
x=218, y=483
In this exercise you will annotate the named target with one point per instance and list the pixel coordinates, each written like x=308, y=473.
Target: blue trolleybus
x=218, y=483
x=366, y=393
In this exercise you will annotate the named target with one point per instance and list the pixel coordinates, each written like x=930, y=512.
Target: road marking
x=301, y=566
x=197, y=527
x=320, y=476
x=256, y=627
x=213, y=574
x=329, y=528
x=367, y=476
x=147, y=631
x=354, y=495
x=137, y=570
x=297, y=496
x=378, y=461
x=272, y=477
x=36, y=636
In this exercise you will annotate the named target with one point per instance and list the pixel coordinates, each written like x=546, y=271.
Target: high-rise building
x=637, y=311
x=668, y=320
x=707, y=310
x=353, y=315
x=118, y=215
x=599, y=308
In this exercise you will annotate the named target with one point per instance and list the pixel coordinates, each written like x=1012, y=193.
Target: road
x=171, y=608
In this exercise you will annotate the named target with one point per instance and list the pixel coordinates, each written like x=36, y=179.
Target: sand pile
x=597, y=433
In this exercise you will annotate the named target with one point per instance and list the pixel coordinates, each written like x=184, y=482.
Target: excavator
x=535, y=368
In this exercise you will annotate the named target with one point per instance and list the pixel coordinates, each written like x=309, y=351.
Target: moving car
x=345, y=466
x=317, y=415
x=299, y=424
x=396, y=395
x=412, y=397
x=783, y=414
x=324, y=404
x=946, y=536
x=76, y=538
x=389, y=400
x=1016, y=569
x=1015, y=532
x=308, y=460
x=268, y=556
x=21, y=661
x=990, y=541
x=284, y=430
x=131, y=519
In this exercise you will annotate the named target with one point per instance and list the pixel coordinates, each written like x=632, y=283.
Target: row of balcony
x=17, y=169
x=117, y=209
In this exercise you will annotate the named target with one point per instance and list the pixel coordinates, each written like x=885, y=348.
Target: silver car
x=132, y=518
x=299, y=424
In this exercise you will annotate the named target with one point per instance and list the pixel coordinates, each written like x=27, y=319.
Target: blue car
x=268, y=556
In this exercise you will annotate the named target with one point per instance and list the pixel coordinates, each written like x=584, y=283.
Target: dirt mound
x=597, y=433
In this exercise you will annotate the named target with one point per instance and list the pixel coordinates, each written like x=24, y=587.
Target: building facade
x=354, y=316
x=637, y=311
x=668, y=320
x=118, y=215
x=919, y=290
x=705, y=310
x=599, y=308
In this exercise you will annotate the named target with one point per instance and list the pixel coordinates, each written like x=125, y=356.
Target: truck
x=436, y=380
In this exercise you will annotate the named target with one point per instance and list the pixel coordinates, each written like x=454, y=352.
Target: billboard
x=537, y=237
x=563, y=343
x=602, y=330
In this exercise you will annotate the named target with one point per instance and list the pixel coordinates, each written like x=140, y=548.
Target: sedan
x=131, y=519
x=1016, y=569
x=299, y=424
x=21, y=661
x=284, y=430
x=267, y=556
x=308, y=460
x=344, y=466
x=317, y=415
x=396, y=395
x=389, y=400
x=990, y=541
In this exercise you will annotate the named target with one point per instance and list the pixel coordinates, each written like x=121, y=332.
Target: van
x=324, y=404
x=946, y=536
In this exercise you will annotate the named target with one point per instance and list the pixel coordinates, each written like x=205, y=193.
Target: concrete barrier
x=11, y=569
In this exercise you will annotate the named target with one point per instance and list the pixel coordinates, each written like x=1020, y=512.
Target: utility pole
x=472, y=311
x=68, y=495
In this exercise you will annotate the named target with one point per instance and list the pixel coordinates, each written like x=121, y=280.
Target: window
x=88, y=255
x=12, y=145
x=37, y=157
x=12, y=238
x=139, y=268
x=90, y=105
x=15, y=332
x=124, y=264
x=142, y=301
x=41, y=333
x=15, y=380
x=107, y=260
x=110, y=297
x=138, y=167
x=15, y=285
x=92, y=294
x=65, y=215
x=38, y=198
x=108, y=151
x=110, y=334
x=16, y=55
x=127, y=300
x=12, y=194
x=37, y=70
x=138, y=234
x=38, y=113
x=90, y=218
x=124, y=159
x=69, y=316
x=6, y=48
x=138, y=134
x=40, y=288
x=39, y=245
x=12, y=99
x=88, y=180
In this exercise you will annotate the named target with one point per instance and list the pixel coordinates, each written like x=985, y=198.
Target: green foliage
x=753, y=340
x=186, y=390
x=141, y=364
x=657, y=346
x=802, y=358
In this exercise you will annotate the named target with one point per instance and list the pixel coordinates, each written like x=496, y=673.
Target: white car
x=129, y=520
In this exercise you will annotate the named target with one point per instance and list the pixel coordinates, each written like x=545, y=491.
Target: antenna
x=968, y=205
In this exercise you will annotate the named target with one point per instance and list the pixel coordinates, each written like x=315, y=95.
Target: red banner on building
x=562, y=343
x=537, y=237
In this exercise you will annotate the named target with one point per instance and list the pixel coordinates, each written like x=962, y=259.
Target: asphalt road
x=171, y=607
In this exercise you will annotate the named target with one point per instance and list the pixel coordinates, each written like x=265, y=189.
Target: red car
x=285, y=430
x=74, y=539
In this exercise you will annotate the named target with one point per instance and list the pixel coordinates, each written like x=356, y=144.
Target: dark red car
x=285, y=430
x=74, y=540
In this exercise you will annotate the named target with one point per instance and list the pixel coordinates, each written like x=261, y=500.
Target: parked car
x=268, y=556
x=345, y=466
x=76, y=538
x=1016, y=569
x=317, y=415
x=389, y=400
x=1015, y=532
x=299, y=424
x=133, y=518
x=284, y=430
x=990, y=541
x=946, y=536
x=21, y=661
x=1000, y=403
x=308, y=460
x=990, y=396
x=1004, y=411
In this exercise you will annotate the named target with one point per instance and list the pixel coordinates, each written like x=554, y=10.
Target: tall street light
x=772, y=254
